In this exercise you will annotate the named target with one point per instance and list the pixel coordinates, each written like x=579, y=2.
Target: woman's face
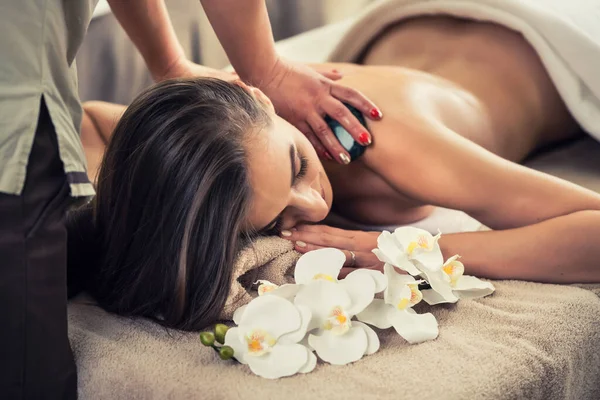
x=289, y=183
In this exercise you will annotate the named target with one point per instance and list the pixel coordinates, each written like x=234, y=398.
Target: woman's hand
x=304, y=96
x=313, y=237
x=184, y=68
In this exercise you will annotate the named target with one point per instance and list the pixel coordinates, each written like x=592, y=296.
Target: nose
x=307, y=205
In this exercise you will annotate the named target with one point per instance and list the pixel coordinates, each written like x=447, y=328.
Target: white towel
x=565, y=34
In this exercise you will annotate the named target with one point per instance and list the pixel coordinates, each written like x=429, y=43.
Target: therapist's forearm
x=148, y=25
x=244, y=30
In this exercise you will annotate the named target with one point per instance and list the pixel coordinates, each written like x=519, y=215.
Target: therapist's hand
x=184, y=68
x=304, y=96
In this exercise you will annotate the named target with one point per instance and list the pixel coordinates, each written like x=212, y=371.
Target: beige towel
x=268, y=258
x=526, y=341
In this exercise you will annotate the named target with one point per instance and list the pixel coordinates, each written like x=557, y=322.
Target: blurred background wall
x=111, y=69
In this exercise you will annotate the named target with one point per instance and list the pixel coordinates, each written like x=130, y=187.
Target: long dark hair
x=160, y=237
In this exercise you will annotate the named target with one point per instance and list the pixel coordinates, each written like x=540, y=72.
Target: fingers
x=319, y=238
x=338, y=111
x=360, y=259
x=321, y=151
x=325, y=136
x=326, y=228
x=357, y=100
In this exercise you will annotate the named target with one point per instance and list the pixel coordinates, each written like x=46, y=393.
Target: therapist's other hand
x=184, y=68
x=304, y=96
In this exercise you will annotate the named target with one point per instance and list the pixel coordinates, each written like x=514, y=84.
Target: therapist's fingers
x=357, y=100
x=338, y=111
x=325, y=136
x=312, y=138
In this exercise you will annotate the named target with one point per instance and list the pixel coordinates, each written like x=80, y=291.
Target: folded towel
x=268, y=258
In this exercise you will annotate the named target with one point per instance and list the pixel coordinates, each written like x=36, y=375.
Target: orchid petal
x=397, y=285
x=237, y=314
x=340, y=349
x=321, y=297
x=297, y=336
x=454, y=269
x=431, y=260
x=432, y=297
x=327, y=262
x=265, y=287
x=273, y=314
x=391, y=252
x=408, y=266
x=287, y=291
x=415, y=328
x=282, y=360
x=378, y=314
x=239, y=348
x=407, y=234
x=440, y=282
x=361, y=291
x=379, y=278
x=311, y=363
x=372, y=338
x=470, y=287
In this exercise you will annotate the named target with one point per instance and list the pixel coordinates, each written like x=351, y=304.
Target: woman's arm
x=547, y=228
x=435, y=165
x=563, y=249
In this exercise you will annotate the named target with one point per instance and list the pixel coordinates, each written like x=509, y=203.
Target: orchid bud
x=220, y=331
x=225, y=352
x=207, y=338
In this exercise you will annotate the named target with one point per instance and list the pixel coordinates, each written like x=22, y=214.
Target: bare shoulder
x=103, y=117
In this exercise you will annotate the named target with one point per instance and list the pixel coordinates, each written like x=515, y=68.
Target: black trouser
x=36, y=361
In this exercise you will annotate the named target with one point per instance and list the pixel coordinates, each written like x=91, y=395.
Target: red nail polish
x=364, y=138
x=375, y=113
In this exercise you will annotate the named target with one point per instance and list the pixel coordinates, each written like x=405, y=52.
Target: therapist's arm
x=300, y=95
x=149, y=27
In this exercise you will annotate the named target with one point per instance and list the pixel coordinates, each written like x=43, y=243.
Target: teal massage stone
x=353, y=148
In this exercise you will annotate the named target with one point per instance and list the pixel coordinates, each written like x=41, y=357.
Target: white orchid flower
x=287, y=291
x=267, y=336
x=335, y=337
x=410, y=249
x=417, y=252
x=462, y=286
x=401, y=294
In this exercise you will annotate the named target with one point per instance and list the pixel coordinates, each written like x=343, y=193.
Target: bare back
x=480, y=80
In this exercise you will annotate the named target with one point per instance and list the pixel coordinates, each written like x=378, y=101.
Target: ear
x=260, y=96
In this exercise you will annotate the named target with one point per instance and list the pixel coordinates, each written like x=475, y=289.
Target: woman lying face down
x=197, y=168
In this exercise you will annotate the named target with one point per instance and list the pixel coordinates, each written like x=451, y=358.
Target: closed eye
x=303, y=166
x=276, y=226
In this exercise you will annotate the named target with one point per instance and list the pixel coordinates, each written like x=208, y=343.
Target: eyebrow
x=292, y=179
